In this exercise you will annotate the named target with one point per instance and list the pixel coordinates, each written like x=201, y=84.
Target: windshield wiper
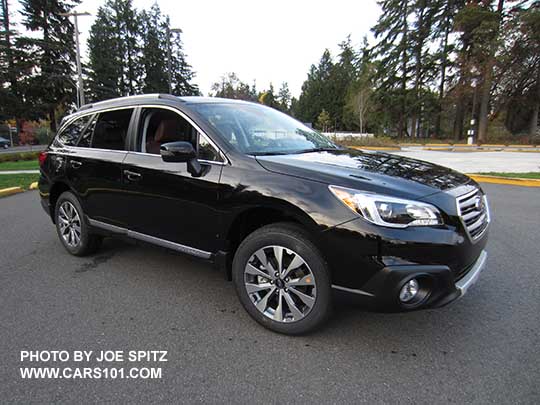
x=317, y=150
x=268, y=153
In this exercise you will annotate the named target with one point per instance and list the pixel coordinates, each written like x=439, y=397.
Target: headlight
x=388, y=211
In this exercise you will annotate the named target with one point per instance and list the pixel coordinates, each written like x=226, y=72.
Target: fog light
x=409, y=290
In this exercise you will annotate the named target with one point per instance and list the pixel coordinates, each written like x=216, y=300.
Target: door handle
x=75, y=164
x=132, y=176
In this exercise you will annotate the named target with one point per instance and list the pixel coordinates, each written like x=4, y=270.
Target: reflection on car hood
x=370, y=171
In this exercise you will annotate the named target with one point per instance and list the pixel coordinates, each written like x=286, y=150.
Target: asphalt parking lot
x=485, y=348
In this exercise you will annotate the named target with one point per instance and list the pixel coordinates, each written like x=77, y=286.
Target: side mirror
x=177, y=152
x=180, y=152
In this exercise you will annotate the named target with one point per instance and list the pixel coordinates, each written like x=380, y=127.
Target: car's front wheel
x=73, y=231
x=282, y=279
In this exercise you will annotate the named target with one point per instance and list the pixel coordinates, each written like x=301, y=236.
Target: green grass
x=17, y=180
x=528, y=175
x=20, y=165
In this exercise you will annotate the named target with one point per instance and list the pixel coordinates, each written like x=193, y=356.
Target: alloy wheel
x=280, y=284
x=70, y=224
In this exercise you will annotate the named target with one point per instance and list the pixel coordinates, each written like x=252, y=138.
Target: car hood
x=369, y=171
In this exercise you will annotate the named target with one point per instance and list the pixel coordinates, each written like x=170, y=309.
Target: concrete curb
x=505, y=180
x=10, y=191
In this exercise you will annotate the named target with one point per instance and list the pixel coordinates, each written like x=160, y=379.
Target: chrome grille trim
x=475, y=220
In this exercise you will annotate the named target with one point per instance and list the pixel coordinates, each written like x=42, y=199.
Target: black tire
x=88, y=242
x=293, y=238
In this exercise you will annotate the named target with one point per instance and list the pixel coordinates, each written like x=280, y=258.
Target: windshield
x=258, y=130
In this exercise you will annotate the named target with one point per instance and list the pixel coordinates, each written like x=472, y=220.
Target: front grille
x=474, y=212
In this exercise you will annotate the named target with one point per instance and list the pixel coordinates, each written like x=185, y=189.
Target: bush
x=15, y=157
x=44, y=135
x=365, y=141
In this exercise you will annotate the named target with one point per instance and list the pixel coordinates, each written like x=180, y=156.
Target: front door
x=166, y=201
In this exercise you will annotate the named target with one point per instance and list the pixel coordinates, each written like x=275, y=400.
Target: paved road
x=478, y=162
x=25, y=148
x=481, y=349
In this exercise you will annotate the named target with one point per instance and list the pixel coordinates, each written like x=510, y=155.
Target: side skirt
x=150, y=239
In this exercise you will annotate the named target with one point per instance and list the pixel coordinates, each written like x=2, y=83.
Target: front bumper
x=437, y=284
x=471, y=277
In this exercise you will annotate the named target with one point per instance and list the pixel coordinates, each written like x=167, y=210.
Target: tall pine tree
x=51, y=86
x=105, y=60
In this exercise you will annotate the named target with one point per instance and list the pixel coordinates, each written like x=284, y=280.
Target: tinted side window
x=71, y=133
x=86, y=137
x=160, y=126
x=111, y=129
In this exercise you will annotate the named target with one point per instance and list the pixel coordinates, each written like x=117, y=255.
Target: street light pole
x=80, y=84
x=169, y=55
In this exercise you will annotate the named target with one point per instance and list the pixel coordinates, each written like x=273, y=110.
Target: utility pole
x=80, y=84
x=169, y=54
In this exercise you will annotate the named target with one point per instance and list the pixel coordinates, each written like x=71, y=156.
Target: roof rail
x=85, y=107
x=138, y=96
x=170, y=97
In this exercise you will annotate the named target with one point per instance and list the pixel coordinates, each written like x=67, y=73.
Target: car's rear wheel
x=282, y=279
x=71, y=226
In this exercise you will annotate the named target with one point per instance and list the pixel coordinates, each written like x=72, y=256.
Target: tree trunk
x=488, y=78
x=418, y=68
x=52, y=118
x=484, y=102
x=404, y=62
x=533, y=129
x=458, y=120
x=444, y=62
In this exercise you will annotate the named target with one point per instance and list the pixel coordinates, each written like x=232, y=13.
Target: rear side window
x=71, y=133
x=111, y=129
x=86, y=137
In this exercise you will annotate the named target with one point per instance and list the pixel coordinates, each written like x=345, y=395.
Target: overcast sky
x=267, y=41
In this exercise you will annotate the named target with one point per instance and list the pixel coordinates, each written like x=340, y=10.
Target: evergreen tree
x=128, y=53
x=394, y=51
x=284, y=98
x=342, y=76
x=324, y=121
x=230, y=86
x=268, y=98
x=442, y=28
x=105, y=59
x=360, y=91
x=126, y=21
x=182, y=73
x=114, y=51
x=154, y=44
x=10, y=71
x=425, y=68
x=517, y=72
x=316, y=93
x=51, y=86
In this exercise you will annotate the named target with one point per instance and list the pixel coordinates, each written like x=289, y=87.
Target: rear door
x=94, y=167
x=166, y=201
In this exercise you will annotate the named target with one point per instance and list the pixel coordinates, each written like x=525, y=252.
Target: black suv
x=286, y=213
